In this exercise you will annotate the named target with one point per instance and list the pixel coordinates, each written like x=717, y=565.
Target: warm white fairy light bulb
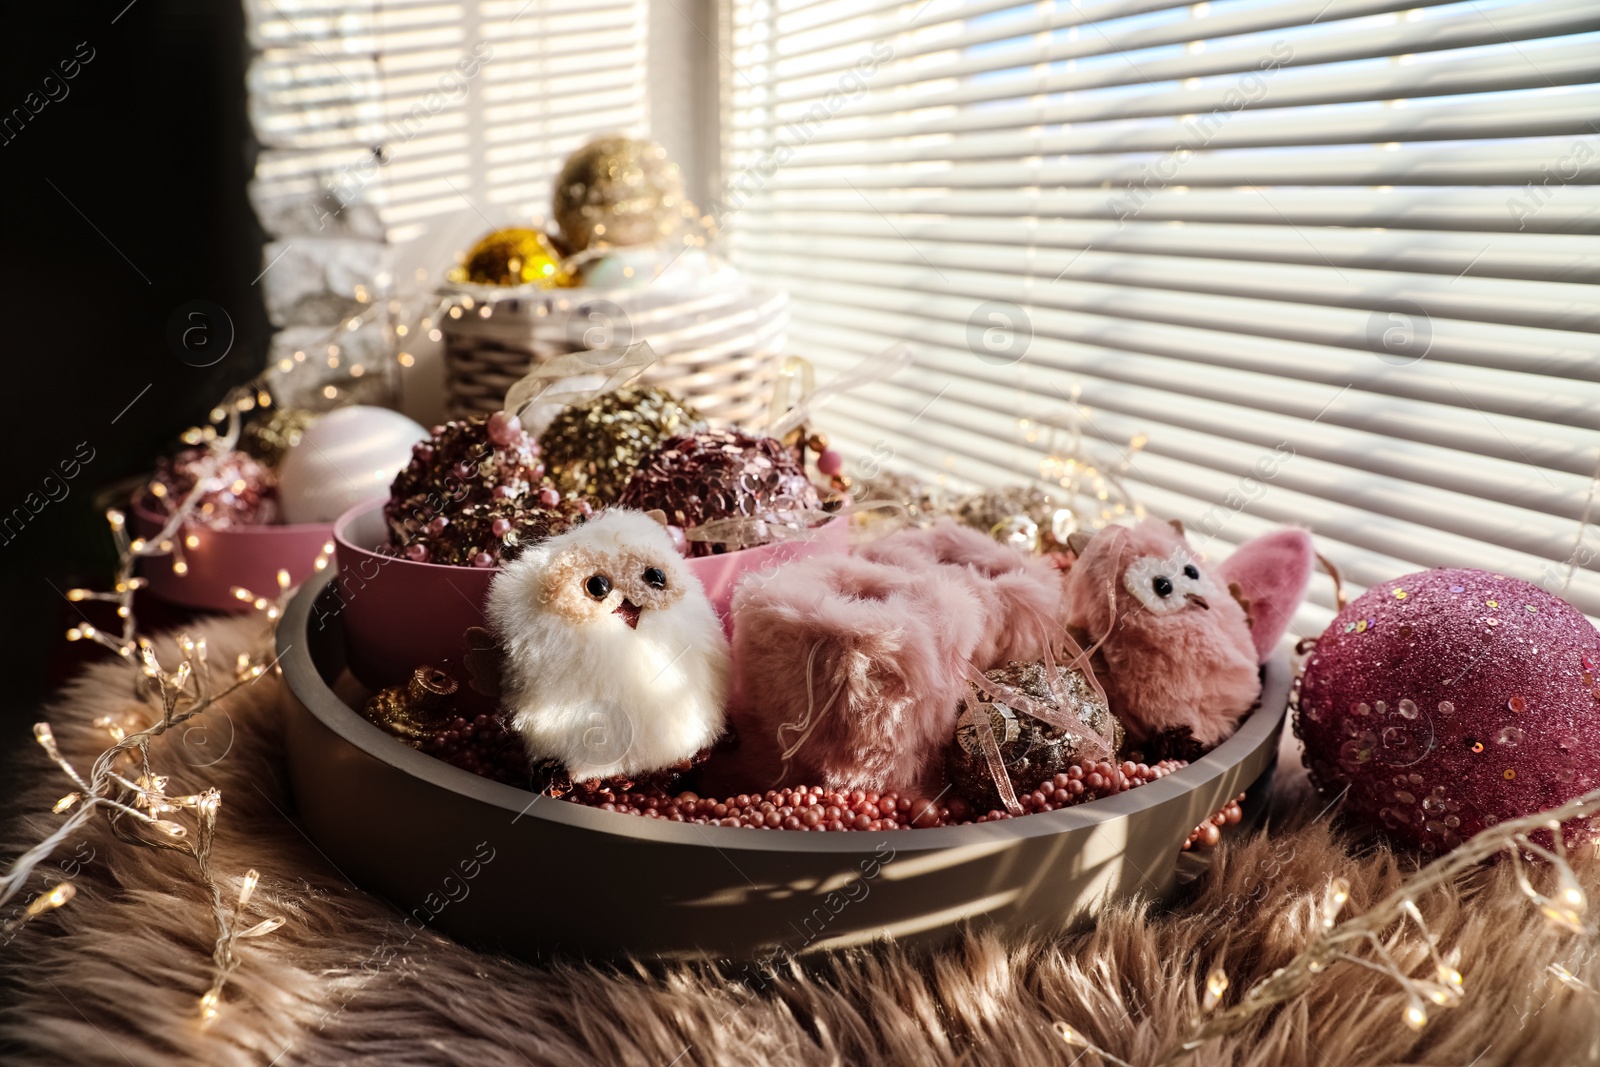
x=1333, y=901
x=247, y=887
x=55, y=898
x=1071, y=1036
x=1216, y=986
x=265, y=926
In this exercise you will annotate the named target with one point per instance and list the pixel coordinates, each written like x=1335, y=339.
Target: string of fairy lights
x=1371, y=940
x=418, y=312
x=122, y=783
x=1066, y=463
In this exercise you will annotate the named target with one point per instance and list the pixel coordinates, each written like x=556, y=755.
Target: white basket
x=719, y=342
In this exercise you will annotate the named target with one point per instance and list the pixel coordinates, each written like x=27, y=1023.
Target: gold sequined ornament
x=924, y=502
x=592, y=448
x=618, y=191
x=1030, y=749
x=417, y=710
x=514, y=256
x=1022, y=515
x=270, y=437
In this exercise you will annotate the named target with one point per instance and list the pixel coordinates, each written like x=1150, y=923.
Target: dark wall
x=120, y=200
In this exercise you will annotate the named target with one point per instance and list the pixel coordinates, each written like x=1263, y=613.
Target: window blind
x=423, y=108
x=1329, y=262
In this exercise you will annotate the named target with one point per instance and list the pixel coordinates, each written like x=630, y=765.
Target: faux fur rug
x=114, y=977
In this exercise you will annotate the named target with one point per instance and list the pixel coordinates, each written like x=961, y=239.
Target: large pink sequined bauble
x=1450, y=700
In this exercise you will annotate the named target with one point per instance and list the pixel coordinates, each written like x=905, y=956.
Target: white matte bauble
x=346, y=457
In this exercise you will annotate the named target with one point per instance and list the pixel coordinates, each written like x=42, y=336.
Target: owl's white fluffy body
x=582, y=685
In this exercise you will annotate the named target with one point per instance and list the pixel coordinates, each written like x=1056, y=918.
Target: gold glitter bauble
x=1023, y=515
x=514, y=256
x=592, y=448
x=618, y=191
x=267, y=439
x=417, y=710
x=923, y=502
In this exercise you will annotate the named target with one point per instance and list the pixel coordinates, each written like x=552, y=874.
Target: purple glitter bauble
x=719, y=474
x=1450, y=700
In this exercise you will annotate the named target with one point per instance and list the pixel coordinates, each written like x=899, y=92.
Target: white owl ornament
x=615, y=663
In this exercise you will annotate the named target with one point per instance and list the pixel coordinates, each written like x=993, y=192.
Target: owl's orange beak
x=1196, y=598
x=629, y=612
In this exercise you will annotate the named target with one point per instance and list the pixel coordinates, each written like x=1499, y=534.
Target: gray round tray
x=503, y=868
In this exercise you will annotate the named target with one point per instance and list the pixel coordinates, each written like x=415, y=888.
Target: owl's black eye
x=655, y=576
x=1191, y=571
x=598, y=586
x=1162, y=586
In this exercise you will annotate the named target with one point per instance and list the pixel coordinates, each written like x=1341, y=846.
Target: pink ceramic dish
x=249, y=557
x=398, y=614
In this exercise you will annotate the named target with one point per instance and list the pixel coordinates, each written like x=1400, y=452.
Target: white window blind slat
x=478, y=101
x=1101, y=37
x=1551, y=403
x=1028, y=70
x=1561, y=258
x=1492, y=69
x=1304, y=482
x=1539, y=116
x=1462, y=209
x=1509, y=166
x=905, y=171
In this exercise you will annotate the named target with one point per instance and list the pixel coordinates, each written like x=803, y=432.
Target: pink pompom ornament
x=1451, y=700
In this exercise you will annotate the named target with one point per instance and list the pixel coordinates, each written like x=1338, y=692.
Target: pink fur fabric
x=1174, y=661
x=1020, y=594
x=1272, y=573
x=855, y=664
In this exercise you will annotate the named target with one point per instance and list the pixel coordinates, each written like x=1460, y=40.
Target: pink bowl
x=398, y=614
x=243, y=556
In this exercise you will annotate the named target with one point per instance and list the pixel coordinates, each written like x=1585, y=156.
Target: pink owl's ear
x=1269, y=575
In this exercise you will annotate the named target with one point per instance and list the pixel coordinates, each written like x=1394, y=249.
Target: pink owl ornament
x=1180, y=643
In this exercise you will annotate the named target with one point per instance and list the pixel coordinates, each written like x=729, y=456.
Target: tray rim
x=306, y=685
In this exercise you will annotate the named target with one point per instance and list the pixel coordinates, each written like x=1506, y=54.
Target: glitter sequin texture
x=1023, y=515
x=618, y=191
x=1452, y=708
x=270, y=437
x=1030, y=749
x=594, y=447
x=465, y=500
x=719, y=474
x=417, y=710
x=924, y=502
x=241, y=491
x=514, y=256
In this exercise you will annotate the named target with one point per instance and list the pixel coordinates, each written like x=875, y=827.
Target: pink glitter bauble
x=719, y=474
x=1450, y=700
x=239, y=489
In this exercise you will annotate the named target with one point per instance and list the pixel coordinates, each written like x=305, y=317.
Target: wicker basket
x=719, y=344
